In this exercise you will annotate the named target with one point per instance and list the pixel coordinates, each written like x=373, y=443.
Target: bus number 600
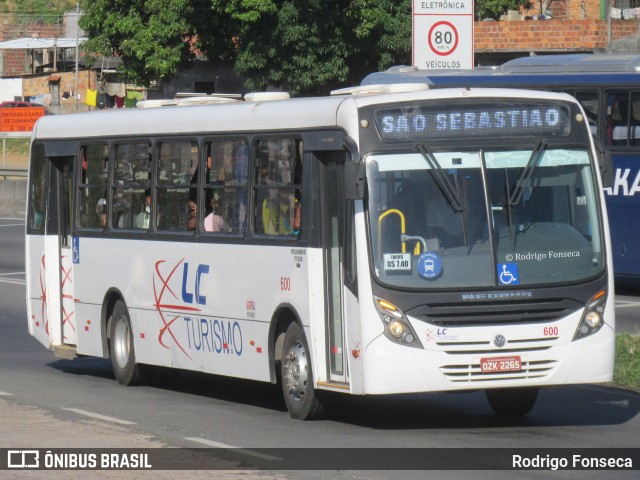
x=550, y=331
x=285, y=284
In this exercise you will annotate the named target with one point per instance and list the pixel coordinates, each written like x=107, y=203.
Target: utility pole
x=75, y=90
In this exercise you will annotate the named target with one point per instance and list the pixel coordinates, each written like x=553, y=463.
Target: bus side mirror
x=354, y=180
x=605, y=164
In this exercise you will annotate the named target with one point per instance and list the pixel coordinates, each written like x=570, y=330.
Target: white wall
x=10, y=88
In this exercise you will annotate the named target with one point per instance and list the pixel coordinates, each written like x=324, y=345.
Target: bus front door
x=332, y=212
x=59, y=257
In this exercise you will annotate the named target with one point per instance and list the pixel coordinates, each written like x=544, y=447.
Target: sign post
x=443, y=34
x=17, y=122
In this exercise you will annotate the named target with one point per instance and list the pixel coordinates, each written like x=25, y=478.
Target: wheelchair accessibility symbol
x=508, y=274
x=75, y=246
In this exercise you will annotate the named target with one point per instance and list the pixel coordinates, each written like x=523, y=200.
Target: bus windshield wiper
x=441, y=179
x=525, y=175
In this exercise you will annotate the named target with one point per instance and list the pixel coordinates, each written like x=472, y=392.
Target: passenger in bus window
x=122, y=216
x=193, y=214
x=214, y=222
x=101, y=211
x=142, y=219
x=297, y=214
x=278, y=212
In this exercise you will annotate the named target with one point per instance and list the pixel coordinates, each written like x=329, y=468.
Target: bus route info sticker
x=429, y=266
x=397, y=261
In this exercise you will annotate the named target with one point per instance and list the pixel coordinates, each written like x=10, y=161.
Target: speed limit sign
x=443, y=38
x=443, y=34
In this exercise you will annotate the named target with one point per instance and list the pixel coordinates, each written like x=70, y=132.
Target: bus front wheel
x=123, y=359
x=297, y=376
x=512, y=402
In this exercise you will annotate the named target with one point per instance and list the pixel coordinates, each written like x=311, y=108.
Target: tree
x=314, y=46
x=496, y=8
x=309, y=46
x=153, y=38
x=303, y=46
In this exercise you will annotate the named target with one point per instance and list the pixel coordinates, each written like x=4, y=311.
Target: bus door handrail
x=402, y=228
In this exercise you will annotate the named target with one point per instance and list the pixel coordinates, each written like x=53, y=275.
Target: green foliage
x=151, y=37
x=309, y=46
x=303, y=46
x=18, y=146
x=314, y=46
x=627, y=363
x=37, y=11
x=496, y=8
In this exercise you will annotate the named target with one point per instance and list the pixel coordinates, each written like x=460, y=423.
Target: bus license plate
x=501, y=364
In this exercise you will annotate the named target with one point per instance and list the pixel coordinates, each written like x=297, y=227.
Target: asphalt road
x=195, y=410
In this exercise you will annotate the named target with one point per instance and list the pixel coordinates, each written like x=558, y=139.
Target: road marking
x=100, y=417
x=6, y=394
x=13, y=281
x=244, y=451
x=626, y=304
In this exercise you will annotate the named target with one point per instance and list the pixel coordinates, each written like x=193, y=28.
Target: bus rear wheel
x=512, y=402
x=297, y=377
x=123, y=358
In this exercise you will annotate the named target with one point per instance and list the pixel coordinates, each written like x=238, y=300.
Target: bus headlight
x=593, y=316
x=593, y=319
x=396, y=325
x=396, y=329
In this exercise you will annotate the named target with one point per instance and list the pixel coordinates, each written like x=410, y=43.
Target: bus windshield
x=479, y=218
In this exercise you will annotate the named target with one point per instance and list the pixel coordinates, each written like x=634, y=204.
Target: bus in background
x=378, y=241
x=608, y=88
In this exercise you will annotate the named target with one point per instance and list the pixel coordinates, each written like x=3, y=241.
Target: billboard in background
x=19, y=119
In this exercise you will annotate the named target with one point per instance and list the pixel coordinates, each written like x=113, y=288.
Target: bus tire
x=512, y=402
x=122, y=353
x=297, y=376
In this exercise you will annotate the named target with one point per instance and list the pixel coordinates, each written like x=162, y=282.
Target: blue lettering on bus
x=187, y=296
x=213, y=335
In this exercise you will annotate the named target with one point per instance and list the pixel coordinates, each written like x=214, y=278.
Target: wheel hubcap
x=296, y=371
x=121, y=342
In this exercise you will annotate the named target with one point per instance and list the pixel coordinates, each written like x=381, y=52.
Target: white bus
x=378, y=241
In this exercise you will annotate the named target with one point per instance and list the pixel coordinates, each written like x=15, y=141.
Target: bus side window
x=589, y=101
x=37, y=189
x=278, y=178
x=225, y=187
x=177, y=182
x=634, y=115
x=132, y=177
x=617, y=118
x=92, y=186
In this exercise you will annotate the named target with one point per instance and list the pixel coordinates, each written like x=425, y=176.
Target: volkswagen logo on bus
x=499, y=341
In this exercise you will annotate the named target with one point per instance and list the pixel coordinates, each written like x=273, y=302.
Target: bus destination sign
x=401, y=124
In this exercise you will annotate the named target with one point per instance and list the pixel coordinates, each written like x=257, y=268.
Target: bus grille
x=471, y=373
x=495, y=313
